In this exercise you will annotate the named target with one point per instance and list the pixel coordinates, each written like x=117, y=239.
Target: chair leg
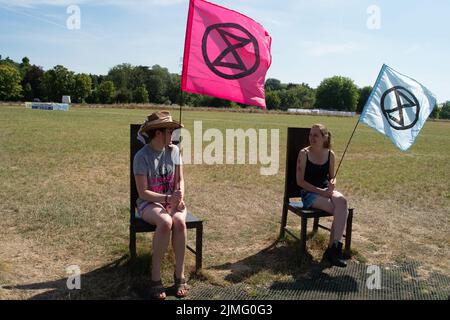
x=303, y=235
x=316, y=225
x=283, y=221
x=132, y=244
x=348, y=233
x=199, y=247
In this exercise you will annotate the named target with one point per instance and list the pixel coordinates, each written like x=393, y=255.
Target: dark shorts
x=308, y=198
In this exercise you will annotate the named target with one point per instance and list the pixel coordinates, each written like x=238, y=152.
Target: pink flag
x=226, y=54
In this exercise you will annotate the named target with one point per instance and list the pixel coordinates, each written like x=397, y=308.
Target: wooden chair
x=298, y=138
x=139, y=226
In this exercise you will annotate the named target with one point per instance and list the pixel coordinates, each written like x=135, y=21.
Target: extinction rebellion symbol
x=233, y=42
x=403, y=113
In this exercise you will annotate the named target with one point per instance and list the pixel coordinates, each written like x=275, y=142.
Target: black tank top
x=317, y=175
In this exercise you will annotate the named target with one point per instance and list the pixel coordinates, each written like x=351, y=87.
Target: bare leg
x=340, y=216
x=155, y=214
x=179, y=239
x=332, y=233
x=337, y=205
x=326, y=205
x=179, y=235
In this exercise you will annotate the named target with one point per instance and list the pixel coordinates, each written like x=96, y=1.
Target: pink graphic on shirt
x=163, y=184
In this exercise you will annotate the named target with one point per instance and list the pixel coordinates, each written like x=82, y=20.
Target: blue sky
x=312, y=40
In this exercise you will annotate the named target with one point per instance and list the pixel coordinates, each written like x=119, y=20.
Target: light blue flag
x=398, y=107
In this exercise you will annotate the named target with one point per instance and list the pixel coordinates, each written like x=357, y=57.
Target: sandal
x=157, y=291
x=179, y=286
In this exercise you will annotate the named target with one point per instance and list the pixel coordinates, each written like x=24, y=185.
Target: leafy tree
x=97, y=80
x=24, y=66
x=338, y=93
x=157, y=84
x=94, y=80
x=273, y=100
x=292, y=95
x=27, y=92
x=140, y=95
x=92, y=98
x=139, y=77
x=10, y=87
x=8, y=61
x=25, y=62
x=435, y=113
x=156, y=88
x=364, y=94
x=288, y=99
x=194, y=100
x=306, y=96
x=173, y=90
x=57, y=82
x=82, y=87
x=273, y=84
x=124, y=95
x=32, y=83
x=106, y=92
x=445, y=111
x=121, y=75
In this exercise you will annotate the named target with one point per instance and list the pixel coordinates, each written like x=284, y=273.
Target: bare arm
x=332, y=172
x=178, y=195
x=147, y=195
x=180, y=182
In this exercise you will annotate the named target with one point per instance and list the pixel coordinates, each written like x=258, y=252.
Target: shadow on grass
x=281, y=259
x=119, y=279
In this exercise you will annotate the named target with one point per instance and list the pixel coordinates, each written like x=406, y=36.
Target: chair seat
x=141, y=226
x=297, y=208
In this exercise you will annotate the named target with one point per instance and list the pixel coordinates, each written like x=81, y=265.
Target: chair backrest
x=297, y=139
x=135, y=146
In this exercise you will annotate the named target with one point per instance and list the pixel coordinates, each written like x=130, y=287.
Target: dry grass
x=64, y=190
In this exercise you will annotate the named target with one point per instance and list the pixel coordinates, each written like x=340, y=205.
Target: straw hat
x=160, y=120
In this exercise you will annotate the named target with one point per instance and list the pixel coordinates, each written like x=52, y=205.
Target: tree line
x=126, y=83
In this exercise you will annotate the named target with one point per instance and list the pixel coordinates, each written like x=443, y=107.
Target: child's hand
x=326, y=193
x=181, y=206
x=176, y=198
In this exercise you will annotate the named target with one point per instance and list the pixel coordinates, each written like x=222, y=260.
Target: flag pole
x=181, y=87
x=185, y=58
x=177, y=171
x=181, y=103
x=346, y=148
x=359, y=120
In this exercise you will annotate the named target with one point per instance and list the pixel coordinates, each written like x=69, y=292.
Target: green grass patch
x=64, y=183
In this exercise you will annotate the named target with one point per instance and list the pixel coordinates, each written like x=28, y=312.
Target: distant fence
x=317, y=112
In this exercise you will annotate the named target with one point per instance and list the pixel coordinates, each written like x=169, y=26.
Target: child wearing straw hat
x=159, y=179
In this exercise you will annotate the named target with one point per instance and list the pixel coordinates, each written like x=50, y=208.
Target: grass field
x=64, y=189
